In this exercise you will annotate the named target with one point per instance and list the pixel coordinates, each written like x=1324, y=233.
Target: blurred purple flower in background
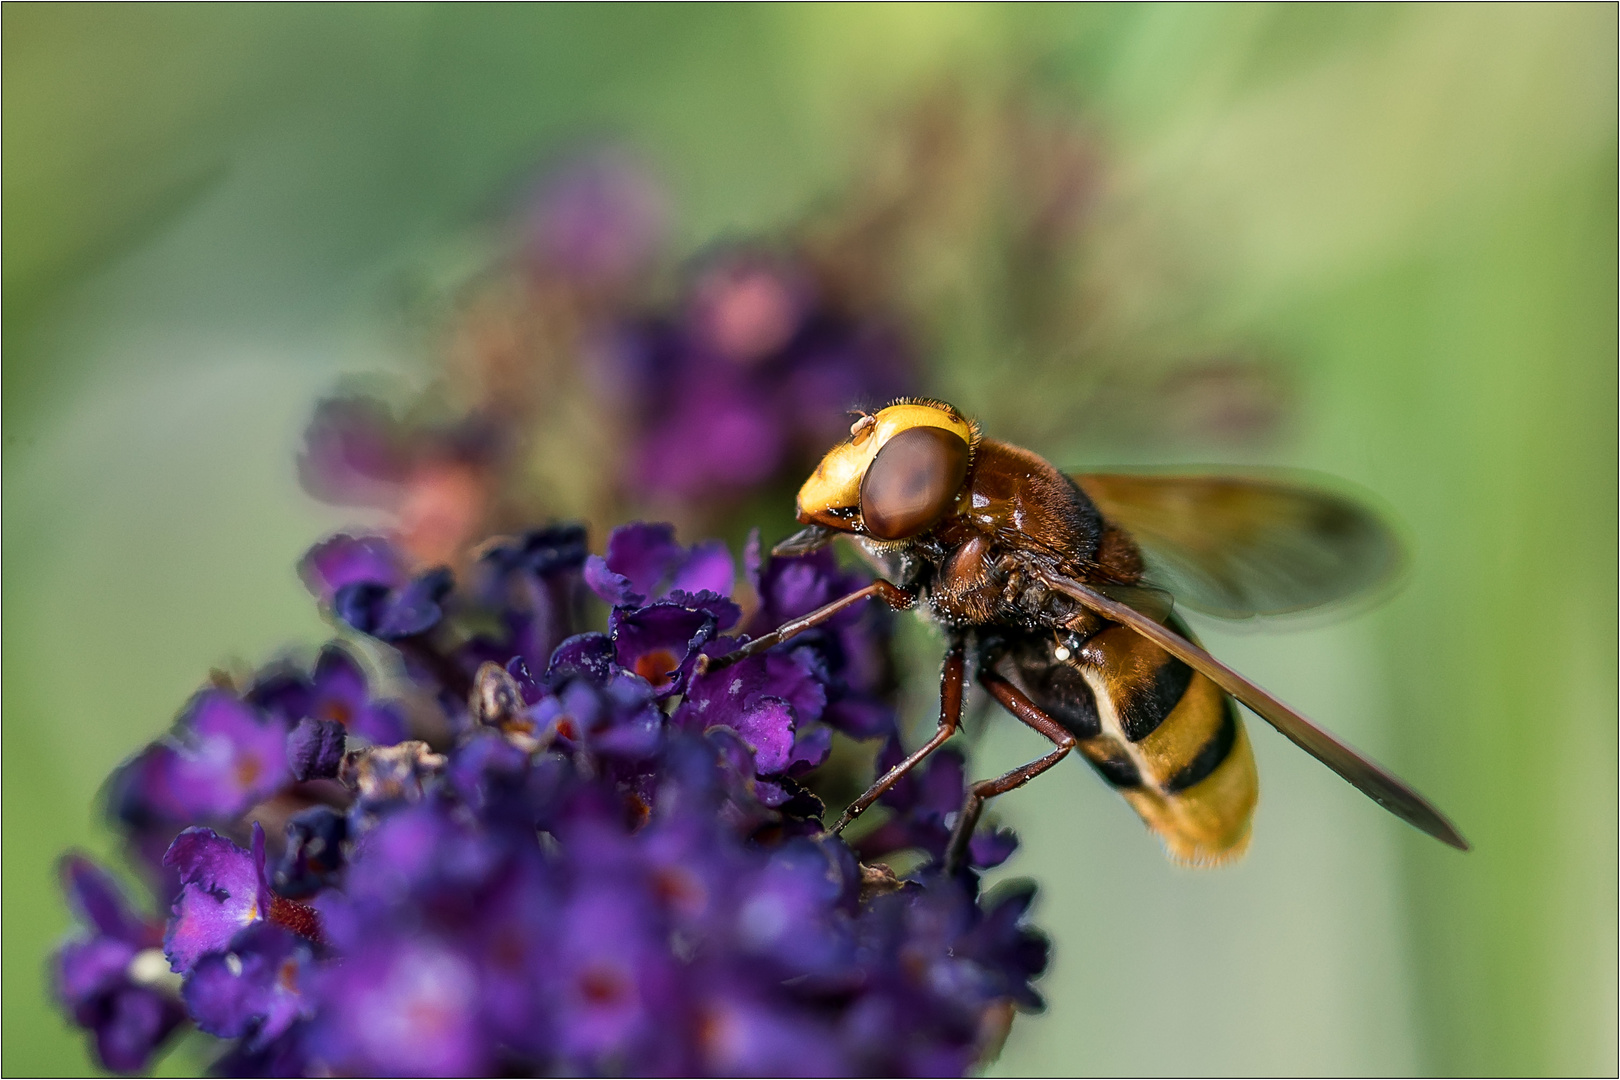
x=109, y=981
x=601, y=218
x=697, y=385
x=749, y=374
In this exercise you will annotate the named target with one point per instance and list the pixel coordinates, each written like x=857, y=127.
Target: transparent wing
x=1238, y=546
x=1157, y=604
x=1369, y=777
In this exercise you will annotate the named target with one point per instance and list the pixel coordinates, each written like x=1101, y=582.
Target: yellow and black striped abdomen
x=1167, y=737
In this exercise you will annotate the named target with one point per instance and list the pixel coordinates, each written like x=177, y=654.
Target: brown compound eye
x=912, y=482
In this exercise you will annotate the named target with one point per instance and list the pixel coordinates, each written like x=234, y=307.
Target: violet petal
x=222, y=891
x=767, y=727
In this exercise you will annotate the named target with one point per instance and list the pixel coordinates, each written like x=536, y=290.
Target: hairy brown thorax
x=1020, y=513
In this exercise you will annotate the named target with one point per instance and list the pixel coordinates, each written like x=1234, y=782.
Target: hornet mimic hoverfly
x=1044, y=579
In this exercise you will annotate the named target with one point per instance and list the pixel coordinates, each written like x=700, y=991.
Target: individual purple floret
x=957, y=945
x=534, y=582
x=366, y=584
x=1004, y=949
x=391, y=613
x=223, y=757
x=223, y=890
x=338, y=692
x=255, y=989
x=618, y=718
x=669, y=601
x=313, y=855
x=343, y=560
x=112, y=982
x=645, y=562
x=660, y=642
x=773, y=701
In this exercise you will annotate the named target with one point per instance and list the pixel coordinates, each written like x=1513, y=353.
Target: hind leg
x=1016, y=702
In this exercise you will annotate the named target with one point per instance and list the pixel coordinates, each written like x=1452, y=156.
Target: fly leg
x=950, y=715
x=891, y=594
x=1014, y=701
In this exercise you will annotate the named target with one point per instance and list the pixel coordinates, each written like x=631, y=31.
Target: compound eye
x=912, y=482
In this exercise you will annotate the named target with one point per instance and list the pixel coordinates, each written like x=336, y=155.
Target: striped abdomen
x=1168, y=738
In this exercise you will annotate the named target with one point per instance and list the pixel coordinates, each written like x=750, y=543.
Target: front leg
x=1016, y=702
x=950, y=716
x=890, y=593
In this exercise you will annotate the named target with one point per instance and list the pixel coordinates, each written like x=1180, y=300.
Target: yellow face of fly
x=832, y=495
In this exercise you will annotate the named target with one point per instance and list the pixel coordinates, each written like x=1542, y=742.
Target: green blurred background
x=205, y=209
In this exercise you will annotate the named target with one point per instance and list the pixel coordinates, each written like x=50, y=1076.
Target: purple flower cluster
x=712, y=379
x=556, y=851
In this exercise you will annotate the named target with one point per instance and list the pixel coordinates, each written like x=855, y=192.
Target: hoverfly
x=1044, y=579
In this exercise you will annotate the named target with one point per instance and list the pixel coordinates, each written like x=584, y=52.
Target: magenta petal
x=380, y=723
x=222, y=891
x=348, y=560
x=707, y=568
x=989, y=848
x=767, y=726
x=590, y=655
x=811, y=745
x=796, y=678
x=340, y=683
x=943, y=783
x=87, y=969
x=253, y=989
x=725, y=611
x=645, y=553
x=800, y=585
x=97, y=896
x=614, y=589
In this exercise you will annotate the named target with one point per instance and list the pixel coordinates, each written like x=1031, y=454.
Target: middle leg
x=1016, y=702
x=951, y=678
